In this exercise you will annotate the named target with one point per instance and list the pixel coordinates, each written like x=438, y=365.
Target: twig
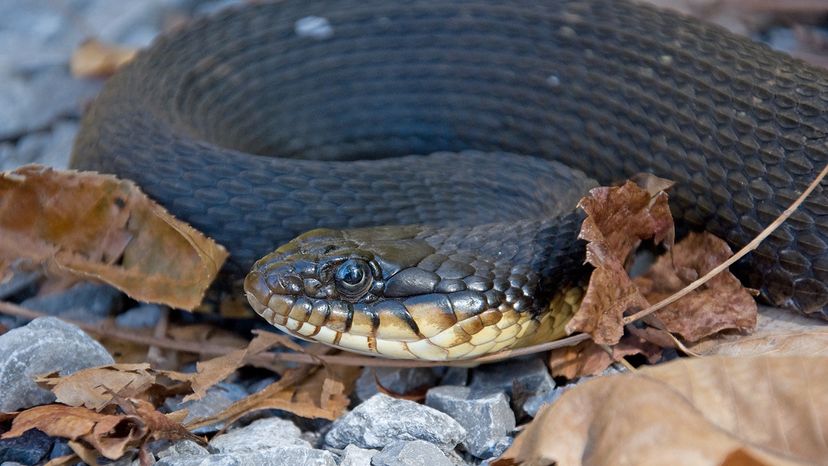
x=154, y=354
x=741, y=253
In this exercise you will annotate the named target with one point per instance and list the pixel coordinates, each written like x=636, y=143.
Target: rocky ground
x=468, y=415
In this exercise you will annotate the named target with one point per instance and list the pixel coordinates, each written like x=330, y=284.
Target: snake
x=401, y=178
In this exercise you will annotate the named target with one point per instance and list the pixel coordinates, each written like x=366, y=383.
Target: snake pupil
x=353, y=278
x=351, y=273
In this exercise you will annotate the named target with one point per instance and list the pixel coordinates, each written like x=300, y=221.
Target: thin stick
x=742, y=253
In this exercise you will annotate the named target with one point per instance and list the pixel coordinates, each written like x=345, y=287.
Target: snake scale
x=441, y=148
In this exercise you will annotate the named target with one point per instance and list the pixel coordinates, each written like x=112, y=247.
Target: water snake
x=263, y=122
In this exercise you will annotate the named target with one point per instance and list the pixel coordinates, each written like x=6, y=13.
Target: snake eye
x=353, y=277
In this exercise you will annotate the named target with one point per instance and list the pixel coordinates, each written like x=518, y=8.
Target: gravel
x=486, y=416
x=413, y=453
x=43, y=346
x=382, y=420
x=396, y=380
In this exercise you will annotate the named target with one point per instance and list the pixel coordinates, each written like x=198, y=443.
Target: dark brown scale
x=606, y=86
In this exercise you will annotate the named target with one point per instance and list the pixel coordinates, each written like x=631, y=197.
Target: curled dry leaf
x=98, y=387
x=588, y=358
x=94, y=387
x=721, y=303
x=618, y=219
x=110, y=434
x=307, y=391
x=771, y=410
x=102, y=228
x=213, y=371
x=95, y=59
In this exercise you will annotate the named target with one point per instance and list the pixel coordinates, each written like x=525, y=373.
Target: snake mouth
x=388, y=328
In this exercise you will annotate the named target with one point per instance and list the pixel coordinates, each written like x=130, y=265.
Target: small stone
x=455, y=375
x=19, y=282
x=268, y=457
x=534, y=403
x=314, y=27
x=355, y=456
x=50, y=148
x=218, y=397
x=35, y=99
x=486, y=416
x=396, y=380
x=260, y=385
x=260, y=435
x=383, y=419
x=184, y=448
x=43, y=346
x=29, y=448
x=519, y=378
x=143, y=316
x=413, y=453
x=85, y=302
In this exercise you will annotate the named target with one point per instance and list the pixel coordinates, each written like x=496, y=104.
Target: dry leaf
x=306, y=391
x=618, y=219
x=111, y=435
x=102, y=228
x=703, y=411
x=95, y=59
x=213, y=371
x=721, y=303
x=778, y=333
x=93, y=388
x=589, y=358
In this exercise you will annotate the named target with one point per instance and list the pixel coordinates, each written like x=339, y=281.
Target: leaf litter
x=130, y=392
x=101, y=228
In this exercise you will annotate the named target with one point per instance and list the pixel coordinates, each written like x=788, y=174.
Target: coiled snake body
x=263, y=122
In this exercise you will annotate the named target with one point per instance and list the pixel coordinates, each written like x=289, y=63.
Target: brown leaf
x=704, y=411
x=589, y=358
x=95, y=59
x=306, y=391
x=721, y=303
x=159, y=425
x=618, y=219
x=778, y=333
x=213, y=371
x=102, y=228
x=94, y=387
x=111, y=435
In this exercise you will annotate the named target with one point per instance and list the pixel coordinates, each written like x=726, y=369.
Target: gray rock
x=288, y=456
x=260, y=385
x=218, y=397
x=50, y=148
x=143, y=316
x=34, y=100
x=397, y=380
x=355, y=456
x=383, y=419
x=519, y=378
x=184, y=448
x=45, y=345
x=455, y=375
x=29, y=448
x=260, y=435
x=486, y=416
x=19, y=282
x=414, y=453
x=86, y=302
x=534, y=403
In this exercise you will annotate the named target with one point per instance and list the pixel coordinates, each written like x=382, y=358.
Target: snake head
x=383, y=290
